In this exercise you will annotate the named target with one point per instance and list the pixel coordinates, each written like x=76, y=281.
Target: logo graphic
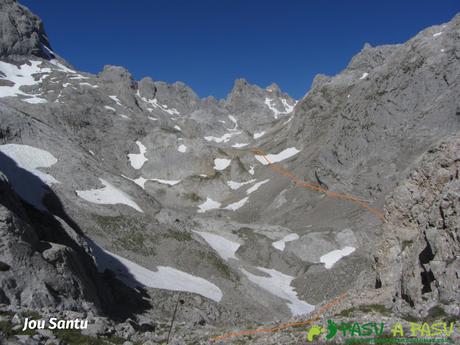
x=372, y=332
x=315, y=331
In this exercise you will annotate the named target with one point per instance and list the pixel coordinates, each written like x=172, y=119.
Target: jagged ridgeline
x=122, y=199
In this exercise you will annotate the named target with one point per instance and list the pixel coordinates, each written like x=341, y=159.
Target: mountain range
x=121, y=197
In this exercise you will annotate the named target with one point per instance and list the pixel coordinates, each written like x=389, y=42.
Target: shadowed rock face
x=142, y=168
x=22, y=32
x=42, y=269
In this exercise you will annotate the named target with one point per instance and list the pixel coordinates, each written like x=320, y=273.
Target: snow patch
x=154, y=103
x=165, y=277
x=137, y=160
x=168, y=182
x=182, y=148
x=365, y=74
x=236, y=205
x=115, y=98
x=90, y=85
x=22, y=76
x=239, y=145
x=287, y=107
x=438, y=34
x=278, y=157
x=221, y=163
x=224, y=247
x=258, y=135
x=282, y=243
x=331, y=258
x=256, y=186
x=279, y=284
x=235, y=185
x=209, y=204
x=108, y=195
x=109, y=108
x=22, y=161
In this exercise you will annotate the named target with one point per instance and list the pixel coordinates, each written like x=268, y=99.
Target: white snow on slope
x=108, y=195
x=21, y=76
x=365, y=74
x=176, y=127
x=278, y=157
x=209, y=204
x=256, y=186
x=235, y=185
x=227, y=136
x=280, y=245
x=223, y=139
x=115, y=98
x=168, y=182
x=90, y=85
x=141, y=181
x=239, y=145
x=437, y=34
x=259, y=134
x=221, y=163
x=331, y=258
x=236, y=205
x=31, y=158
x=182, y=148
x=19, y=163
x=109, y=108
x=279, y=284
x=287, y=108
x=224, y=247
x=251, y=170
x=154, y=103
x=165, y=277
x=62, y=67
x=35, y=100
x=137, y=160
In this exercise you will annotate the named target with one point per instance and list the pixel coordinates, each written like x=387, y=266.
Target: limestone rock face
x=41, y=271
x=419, y=259
x=21, y=31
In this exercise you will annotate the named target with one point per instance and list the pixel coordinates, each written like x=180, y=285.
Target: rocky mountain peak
x=22, y=33
x=116, y=75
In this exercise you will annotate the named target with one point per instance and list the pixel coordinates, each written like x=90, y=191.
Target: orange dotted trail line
x=281, y=327
x=297, y=181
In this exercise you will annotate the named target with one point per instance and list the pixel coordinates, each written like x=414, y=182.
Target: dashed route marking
x=298, y=182
x=284, y=326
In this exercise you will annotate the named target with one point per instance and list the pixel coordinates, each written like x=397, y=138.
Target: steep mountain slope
x=175, y=195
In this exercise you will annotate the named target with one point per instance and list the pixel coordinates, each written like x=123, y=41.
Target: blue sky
x=209, y=43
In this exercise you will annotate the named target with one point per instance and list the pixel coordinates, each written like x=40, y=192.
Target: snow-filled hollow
x=224, y=247
x=208, y=205
x=167, y=278
x=221, y=163
x=108, y=195
x=332, y=257
x=21, y=164
x=137, y=160
x=281, y=244
x=277, y=157
x=279, y=284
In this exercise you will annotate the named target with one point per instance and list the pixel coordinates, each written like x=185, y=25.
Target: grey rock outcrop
x=38, y=270
x=419, y=260
x=22, y=32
